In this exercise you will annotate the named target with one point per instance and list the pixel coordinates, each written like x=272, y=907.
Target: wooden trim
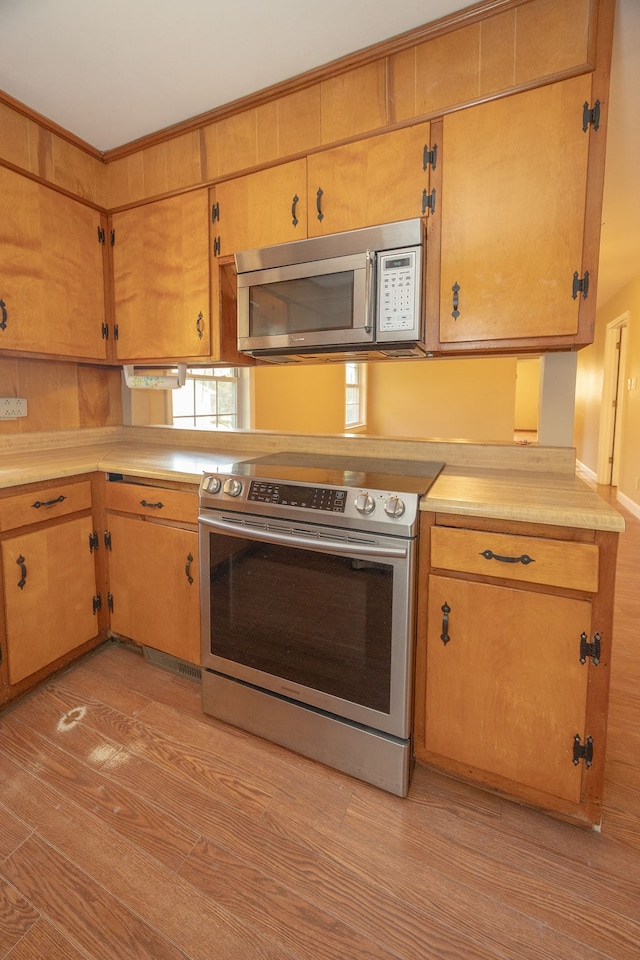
x=422, y=581
x=51, y=185
x=599, y=676
x=595, y=169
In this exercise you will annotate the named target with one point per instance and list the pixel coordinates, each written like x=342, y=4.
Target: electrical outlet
x=12, y=407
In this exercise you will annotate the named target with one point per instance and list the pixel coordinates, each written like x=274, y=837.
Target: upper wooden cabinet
x=161, y=280
x=51, y=272
x=513, y=193
x=372, y=181
x=261, y=208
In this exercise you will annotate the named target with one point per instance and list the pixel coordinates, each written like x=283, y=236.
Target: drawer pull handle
x=490, y=555
x=319, y=195
x=294, y=204
x=48, y=503
x=3, y=315
x=147, y=503
x=446, y=610
x=23, y=571
x=187, y=569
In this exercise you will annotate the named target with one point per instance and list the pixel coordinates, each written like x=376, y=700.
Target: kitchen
x=99, y=402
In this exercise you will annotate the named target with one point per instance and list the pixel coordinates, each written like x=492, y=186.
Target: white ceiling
x=110, y=72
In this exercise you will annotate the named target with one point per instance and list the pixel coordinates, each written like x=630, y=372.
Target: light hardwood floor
x=135, y=827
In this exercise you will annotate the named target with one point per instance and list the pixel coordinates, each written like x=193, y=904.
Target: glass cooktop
x=372, y=473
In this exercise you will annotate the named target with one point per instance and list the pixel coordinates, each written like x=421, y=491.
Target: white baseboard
x=629, y=504
x=583, y=468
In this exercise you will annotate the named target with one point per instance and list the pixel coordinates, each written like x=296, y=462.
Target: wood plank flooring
x=135, y=827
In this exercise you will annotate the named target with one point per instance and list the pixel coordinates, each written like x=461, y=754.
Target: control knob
x=232, y=487
x=212, y=484
x=365, y=503
x=394, y=507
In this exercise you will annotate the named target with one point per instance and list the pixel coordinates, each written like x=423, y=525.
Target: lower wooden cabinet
x=513, y=664
x=154, y=594
x=50, y=599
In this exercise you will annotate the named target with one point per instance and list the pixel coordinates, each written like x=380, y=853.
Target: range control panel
x=386, y=511
x=296, y=495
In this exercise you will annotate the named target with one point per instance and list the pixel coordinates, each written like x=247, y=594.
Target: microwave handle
x=325, y=545
x=370, y=290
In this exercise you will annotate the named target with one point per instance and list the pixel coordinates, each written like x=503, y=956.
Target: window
x=355, y=402
x=209, y=399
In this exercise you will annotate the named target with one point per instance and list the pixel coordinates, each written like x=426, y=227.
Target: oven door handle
x=339, y=547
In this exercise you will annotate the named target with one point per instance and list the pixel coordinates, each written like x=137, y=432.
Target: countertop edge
x=161, y=462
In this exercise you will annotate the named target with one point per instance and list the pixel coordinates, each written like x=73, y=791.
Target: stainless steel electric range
x=308, y=569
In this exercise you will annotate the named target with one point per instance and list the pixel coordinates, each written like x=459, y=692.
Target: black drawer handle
x=23, y=571
x=48, y=503
x=455, y=313
x=319, y=204
x=187, y=569
x=200, y=325
x=490, y=555
x=294, y=204
x=146, y=503
x=446, y=610
x=3, y=315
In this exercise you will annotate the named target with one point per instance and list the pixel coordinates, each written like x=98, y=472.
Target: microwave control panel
x=399, y=294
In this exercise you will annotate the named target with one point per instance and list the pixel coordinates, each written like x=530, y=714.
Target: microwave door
x=308, y=305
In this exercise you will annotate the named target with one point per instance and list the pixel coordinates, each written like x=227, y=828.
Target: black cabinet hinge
x=110, y=602
x=97, y=603
x=216, y=246
x=591, y=115
x=429, y=156
x=215, y=212
x=580, y=285
x=101, y=235
x=582, y=751
x=107, y=540
x=105, y=331
x=590, y=649
x=428, y=201
x=93, y=541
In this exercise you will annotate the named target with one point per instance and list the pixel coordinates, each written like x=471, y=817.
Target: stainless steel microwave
x=356, y=294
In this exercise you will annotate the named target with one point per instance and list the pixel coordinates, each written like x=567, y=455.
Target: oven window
x=309, y=618
x=302, y=305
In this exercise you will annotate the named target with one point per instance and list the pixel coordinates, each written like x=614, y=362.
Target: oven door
x=311, y=614
x=322, y=303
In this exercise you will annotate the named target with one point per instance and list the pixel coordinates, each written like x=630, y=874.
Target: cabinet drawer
x=558, y=563
x=152, y=502
x=44, y=504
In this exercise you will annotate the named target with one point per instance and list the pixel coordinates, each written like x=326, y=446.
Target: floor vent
x=167, y=662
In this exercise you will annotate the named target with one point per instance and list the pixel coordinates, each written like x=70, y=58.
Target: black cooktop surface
x=371, y=473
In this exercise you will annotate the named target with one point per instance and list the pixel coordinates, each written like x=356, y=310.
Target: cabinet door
x=153, y=577
x=514, y=176
x=506, y=694
x=49, y=586
x=51, y=272
x=377, y=180
x=262, y=208
x=161, y=279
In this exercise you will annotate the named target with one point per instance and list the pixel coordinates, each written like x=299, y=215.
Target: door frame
x=612, y=387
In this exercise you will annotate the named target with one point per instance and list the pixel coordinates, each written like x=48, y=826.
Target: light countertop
x=557, y=498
